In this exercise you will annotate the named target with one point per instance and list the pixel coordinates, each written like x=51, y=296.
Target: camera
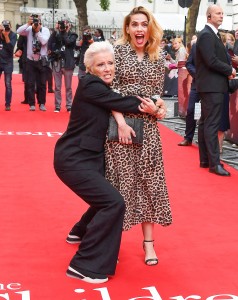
x=87, y=36
x=62, y=25
x=56, y=55
x=6, y=25
x=35, y=20
x=7, y=28
x=36, y=47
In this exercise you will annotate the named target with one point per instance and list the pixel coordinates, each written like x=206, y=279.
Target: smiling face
x=138, y=31
x=103, y=66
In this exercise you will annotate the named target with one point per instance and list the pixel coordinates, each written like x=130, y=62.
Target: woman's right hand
x=125, y=132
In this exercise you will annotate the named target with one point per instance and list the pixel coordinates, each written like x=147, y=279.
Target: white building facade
x=168, y=13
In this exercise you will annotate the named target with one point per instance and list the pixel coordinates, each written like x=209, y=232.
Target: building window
x=53, y=4
x=229, y=1
x=70, y=4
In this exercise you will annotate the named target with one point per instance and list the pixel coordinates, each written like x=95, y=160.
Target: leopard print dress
x=137, y=171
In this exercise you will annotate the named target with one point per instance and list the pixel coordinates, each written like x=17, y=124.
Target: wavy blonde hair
x=152, y=47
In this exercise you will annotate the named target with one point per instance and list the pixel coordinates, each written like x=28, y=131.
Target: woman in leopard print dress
x=137, y=171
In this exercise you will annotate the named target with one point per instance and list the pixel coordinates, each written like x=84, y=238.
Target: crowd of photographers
x=43, y=54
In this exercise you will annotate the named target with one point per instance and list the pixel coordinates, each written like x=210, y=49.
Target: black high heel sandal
x=150, y=261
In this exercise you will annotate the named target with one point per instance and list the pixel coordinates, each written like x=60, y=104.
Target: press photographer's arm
x=7, y=36
x=4, y=34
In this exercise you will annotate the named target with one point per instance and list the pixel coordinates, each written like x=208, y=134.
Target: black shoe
x=75, y=274
x=204, y=165
x=219, y=170
x=73, y=238
x=51, y=91
x=7, y=108
x=69, y=109
x=24, y=102
x=185, y=143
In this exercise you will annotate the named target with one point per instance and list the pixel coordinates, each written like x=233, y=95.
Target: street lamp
x=24, y=9
x=55, y=4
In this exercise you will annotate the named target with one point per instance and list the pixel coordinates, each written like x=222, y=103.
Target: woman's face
x=138, y=31
x=176, y=45
x=229, y=40
x=103, y=66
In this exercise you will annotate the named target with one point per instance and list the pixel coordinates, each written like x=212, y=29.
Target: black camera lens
x=35, y=20
x=87, y=36
x=6, y=27
x=61, y=25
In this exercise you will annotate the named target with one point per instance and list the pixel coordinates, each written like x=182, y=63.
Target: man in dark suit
x=212, y=73
x=193, y=98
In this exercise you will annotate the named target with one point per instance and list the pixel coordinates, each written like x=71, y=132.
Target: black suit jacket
x=191, y=65
x=82, y=145
x=212, y=66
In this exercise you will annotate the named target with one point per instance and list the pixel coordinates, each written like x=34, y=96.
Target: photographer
x=7, y=43
x=61, y=47
x=83, y=44
x=37, y=60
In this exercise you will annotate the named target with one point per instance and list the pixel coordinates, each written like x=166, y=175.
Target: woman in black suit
x=79, y=163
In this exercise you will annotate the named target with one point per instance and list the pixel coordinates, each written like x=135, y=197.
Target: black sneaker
x=73, y=238
x=75, y=274
x=57, y=110
x=24, y=102
x=7, y=108
x=69, y=109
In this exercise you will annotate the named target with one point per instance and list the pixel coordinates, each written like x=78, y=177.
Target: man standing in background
x=37, y=60
x=61, y=47
x=8, y=40
x=212, y=73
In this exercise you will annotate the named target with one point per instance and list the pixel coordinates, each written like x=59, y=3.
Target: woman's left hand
x=148, y=106
x=162, y=108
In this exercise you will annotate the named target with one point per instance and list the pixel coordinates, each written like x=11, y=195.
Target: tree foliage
x=105, y=4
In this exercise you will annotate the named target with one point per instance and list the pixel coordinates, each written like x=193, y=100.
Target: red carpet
x=198, y=253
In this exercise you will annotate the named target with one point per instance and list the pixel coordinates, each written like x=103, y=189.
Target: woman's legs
x=148, y=245
x=99, y=248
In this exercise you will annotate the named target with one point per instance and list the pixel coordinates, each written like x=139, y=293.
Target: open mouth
x=139, y=39
x=108, y=76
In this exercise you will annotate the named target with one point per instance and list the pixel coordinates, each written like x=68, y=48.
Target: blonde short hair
x=95, y=48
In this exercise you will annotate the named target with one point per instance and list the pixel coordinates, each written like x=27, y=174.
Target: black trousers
x=36, y=74
x=190, y=122
x=98, y=252
x=211, y=111
x=49, y=78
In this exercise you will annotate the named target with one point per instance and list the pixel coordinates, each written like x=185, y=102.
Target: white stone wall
x=235, y=14
x=168, y=13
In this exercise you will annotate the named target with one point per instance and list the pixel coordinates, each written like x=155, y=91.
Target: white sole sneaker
x=73, y=239
x=75, y=274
